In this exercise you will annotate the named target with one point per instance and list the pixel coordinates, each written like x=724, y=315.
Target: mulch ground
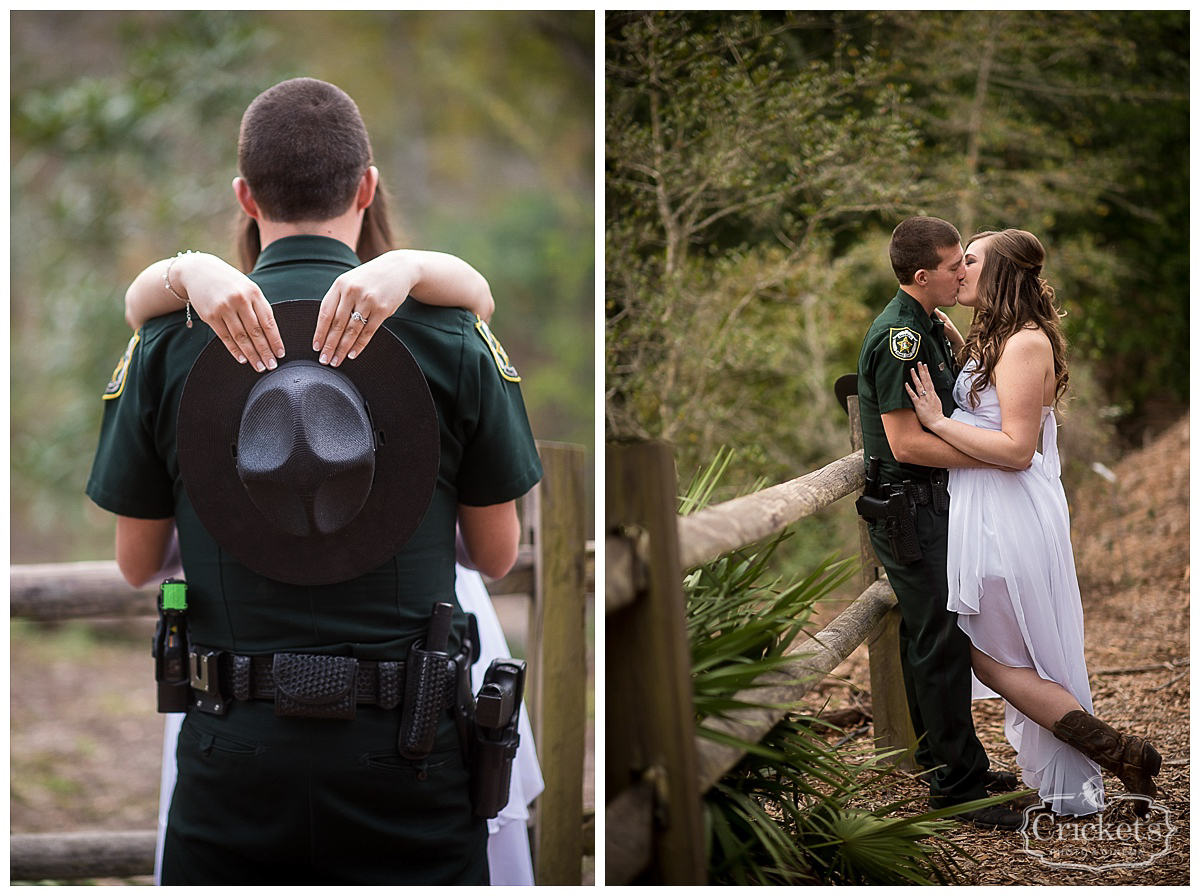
x=1131, y=540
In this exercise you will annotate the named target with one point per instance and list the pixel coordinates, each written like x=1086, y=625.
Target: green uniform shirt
x=488, y=457
x=903, y=335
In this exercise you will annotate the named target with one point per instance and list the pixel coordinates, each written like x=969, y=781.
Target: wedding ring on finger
x=922, y=393
x=358, y=317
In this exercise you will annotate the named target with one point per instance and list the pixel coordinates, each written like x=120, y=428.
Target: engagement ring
x=358, y=317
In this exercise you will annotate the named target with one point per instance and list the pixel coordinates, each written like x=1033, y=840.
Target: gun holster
x=898, y=513
x=497, y=711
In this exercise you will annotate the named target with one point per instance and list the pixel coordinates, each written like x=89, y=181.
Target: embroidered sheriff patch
x=502, y=363
x=116, y=384
x=904, y=343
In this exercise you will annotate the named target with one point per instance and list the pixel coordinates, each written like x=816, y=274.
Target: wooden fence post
x=653, y=830
x=558, y=666
x=889, y=703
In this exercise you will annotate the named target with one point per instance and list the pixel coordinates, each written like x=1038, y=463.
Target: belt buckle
x=204, y=667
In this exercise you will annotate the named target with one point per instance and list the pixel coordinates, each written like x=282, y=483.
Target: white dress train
x=509, y=860
x=1012, y=581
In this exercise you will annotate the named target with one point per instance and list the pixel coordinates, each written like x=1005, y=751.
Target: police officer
x=927, y=257
x=266, y=793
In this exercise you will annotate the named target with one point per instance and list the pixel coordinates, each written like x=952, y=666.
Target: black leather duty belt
x=299, y=684
x=932, y=491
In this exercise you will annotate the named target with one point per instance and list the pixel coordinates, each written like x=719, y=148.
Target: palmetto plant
x=796, y=809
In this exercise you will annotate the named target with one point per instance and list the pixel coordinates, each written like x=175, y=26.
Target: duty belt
x=923, y=492
x=312, y=685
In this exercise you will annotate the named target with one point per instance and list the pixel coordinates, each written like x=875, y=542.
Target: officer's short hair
x=303, y=148
x=915, y=244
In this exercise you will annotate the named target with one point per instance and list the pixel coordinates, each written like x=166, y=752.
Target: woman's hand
x=220, y=295
x=924, y=397
x=360, y=300
x=952, y=334
x=358, y=303
x=354, y=307
x=233, y=305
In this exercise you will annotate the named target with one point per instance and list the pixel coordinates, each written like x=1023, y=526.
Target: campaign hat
x=309, y=474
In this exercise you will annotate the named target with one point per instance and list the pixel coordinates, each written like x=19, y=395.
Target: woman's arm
x=232, y=304
x=952, y=335
x=221, y=295
x=1021, y=374
x=378, y=287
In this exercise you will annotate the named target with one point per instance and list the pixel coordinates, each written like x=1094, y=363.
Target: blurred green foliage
x=123, y=148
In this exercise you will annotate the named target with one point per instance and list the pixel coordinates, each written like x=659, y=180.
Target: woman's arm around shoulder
x=355, y=306
x=221, y=295
x=360, y=300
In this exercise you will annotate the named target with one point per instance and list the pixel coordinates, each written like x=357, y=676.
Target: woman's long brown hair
x=1012, y=295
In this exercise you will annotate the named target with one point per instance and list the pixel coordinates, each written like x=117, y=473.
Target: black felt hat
x=309, y=474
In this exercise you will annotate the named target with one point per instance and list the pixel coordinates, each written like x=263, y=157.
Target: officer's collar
x=918, y=309
x=306, y=247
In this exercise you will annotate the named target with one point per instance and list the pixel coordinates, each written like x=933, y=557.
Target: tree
x=733, y=159
x=757, y=162
x=1073, y=125
x=104, y=164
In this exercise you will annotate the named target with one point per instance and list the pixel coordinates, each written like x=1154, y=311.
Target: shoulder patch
x=904, y=343
x=116, y=383
x=498, y=353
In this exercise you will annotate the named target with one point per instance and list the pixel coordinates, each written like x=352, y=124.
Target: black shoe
x=993, y=818
x=1000, y=782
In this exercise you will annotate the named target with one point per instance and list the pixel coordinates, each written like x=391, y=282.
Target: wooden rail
x=90, y=589
x=556, y=569
x=657, y=768
x=78, y=856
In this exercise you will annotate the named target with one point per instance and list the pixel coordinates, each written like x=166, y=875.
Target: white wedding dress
x=510, y=863
x=1012, y=581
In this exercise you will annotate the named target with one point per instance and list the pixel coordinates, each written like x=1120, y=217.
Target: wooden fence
x=656, y=768
x=555, y=569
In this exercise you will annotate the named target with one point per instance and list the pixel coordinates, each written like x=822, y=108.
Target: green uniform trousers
x=263, y=799
x=936, y=659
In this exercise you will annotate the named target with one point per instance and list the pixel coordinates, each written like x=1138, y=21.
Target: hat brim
x=406, y=457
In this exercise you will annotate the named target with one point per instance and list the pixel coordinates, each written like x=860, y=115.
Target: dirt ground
x=1131, y=540
x=86, y=741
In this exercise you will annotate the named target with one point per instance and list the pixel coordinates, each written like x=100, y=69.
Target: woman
x=233, y=305
x=1010, y=567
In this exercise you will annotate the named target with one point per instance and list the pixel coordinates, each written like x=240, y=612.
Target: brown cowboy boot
x=1130, y=758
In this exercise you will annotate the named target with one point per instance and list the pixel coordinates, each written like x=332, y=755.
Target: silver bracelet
x=171, y=289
